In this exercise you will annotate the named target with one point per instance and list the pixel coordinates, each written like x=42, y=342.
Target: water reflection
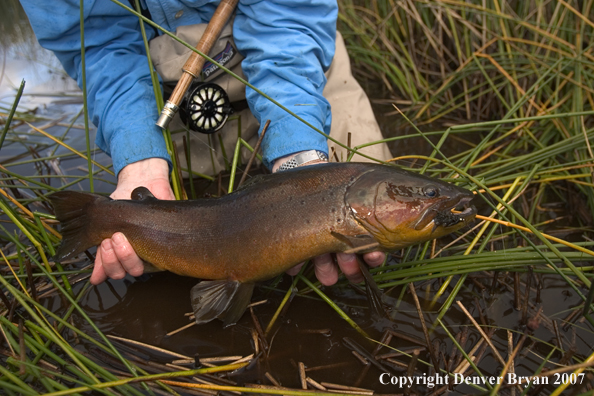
x=21, y=57
x=14, y=25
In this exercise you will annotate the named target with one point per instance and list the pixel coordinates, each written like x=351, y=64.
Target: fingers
x=126, y=255
x=295, y=270
x=374, y=259
x=111, y=265
x=325, y=269
x=115, y=258
x=349, y=266
x=98, y=276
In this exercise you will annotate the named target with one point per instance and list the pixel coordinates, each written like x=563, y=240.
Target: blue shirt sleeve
x=120, y=94
x=288, y=46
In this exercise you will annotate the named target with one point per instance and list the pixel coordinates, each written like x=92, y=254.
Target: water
x=23, y=58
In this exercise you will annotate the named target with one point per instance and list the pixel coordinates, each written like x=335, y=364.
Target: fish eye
x=431, y=192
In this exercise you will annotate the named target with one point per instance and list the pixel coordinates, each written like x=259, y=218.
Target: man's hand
x=115, y=256
x=327, y=271
x=325, y=268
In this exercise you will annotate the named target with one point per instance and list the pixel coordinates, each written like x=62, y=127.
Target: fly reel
x=205, y=108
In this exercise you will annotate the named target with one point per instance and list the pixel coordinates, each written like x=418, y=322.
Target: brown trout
x=267, y=226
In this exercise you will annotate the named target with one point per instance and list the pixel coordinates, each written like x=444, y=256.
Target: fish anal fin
x=141, y=193
x=222, y=299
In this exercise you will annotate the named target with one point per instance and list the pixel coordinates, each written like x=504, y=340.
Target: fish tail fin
x=71, y=209
x=225, y=300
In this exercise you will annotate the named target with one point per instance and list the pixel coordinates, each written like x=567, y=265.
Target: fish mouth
x=448, y=213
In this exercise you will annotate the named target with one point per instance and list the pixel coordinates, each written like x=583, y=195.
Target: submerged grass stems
x=502, y=93
x=11, y=113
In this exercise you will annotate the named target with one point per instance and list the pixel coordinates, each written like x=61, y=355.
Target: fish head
x=400, y=208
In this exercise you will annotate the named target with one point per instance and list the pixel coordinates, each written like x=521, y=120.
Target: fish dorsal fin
x=141, y=193
x=225, y=300
x=251, y=181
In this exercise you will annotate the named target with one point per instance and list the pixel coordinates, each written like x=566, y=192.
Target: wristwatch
x=303, y=158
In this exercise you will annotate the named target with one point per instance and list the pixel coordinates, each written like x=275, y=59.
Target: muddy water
x=135, y=310
x=147, y=308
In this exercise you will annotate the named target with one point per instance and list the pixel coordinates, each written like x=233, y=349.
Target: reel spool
x=206, y=108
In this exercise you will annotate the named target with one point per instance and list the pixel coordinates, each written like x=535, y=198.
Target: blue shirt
x=287, y=44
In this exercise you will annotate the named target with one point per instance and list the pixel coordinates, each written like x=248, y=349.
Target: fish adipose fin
x=252, y=180
x=141, y=193
x=71, y=208
x=225, y=300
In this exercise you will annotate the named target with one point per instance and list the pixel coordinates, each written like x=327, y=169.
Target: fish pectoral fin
x=362, y=243
x=374, y=294
x=238, y=304
x=141, y=193
x=225, y=300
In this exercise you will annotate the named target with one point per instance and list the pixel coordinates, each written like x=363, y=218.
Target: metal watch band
x=303, y=158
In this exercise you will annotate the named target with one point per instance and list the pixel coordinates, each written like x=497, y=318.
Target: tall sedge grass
x=508, y=84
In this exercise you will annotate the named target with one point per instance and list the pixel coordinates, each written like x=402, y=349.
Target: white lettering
x=540, y=380
x=430, y=381
x=514, y=379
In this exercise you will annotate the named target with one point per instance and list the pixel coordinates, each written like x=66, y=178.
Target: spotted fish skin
x=270, y=225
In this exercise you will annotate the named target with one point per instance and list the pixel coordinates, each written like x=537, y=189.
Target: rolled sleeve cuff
x=136, y=145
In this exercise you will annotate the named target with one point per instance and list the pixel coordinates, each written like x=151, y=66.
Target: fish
x=267, y=226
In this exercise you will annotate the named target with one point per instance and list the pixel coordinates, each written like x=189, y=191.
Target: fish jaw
x=447, y=213
x=447, y=217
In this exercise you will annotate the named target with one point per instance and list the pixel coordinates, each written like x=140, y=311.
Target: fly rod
x=195, y=62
